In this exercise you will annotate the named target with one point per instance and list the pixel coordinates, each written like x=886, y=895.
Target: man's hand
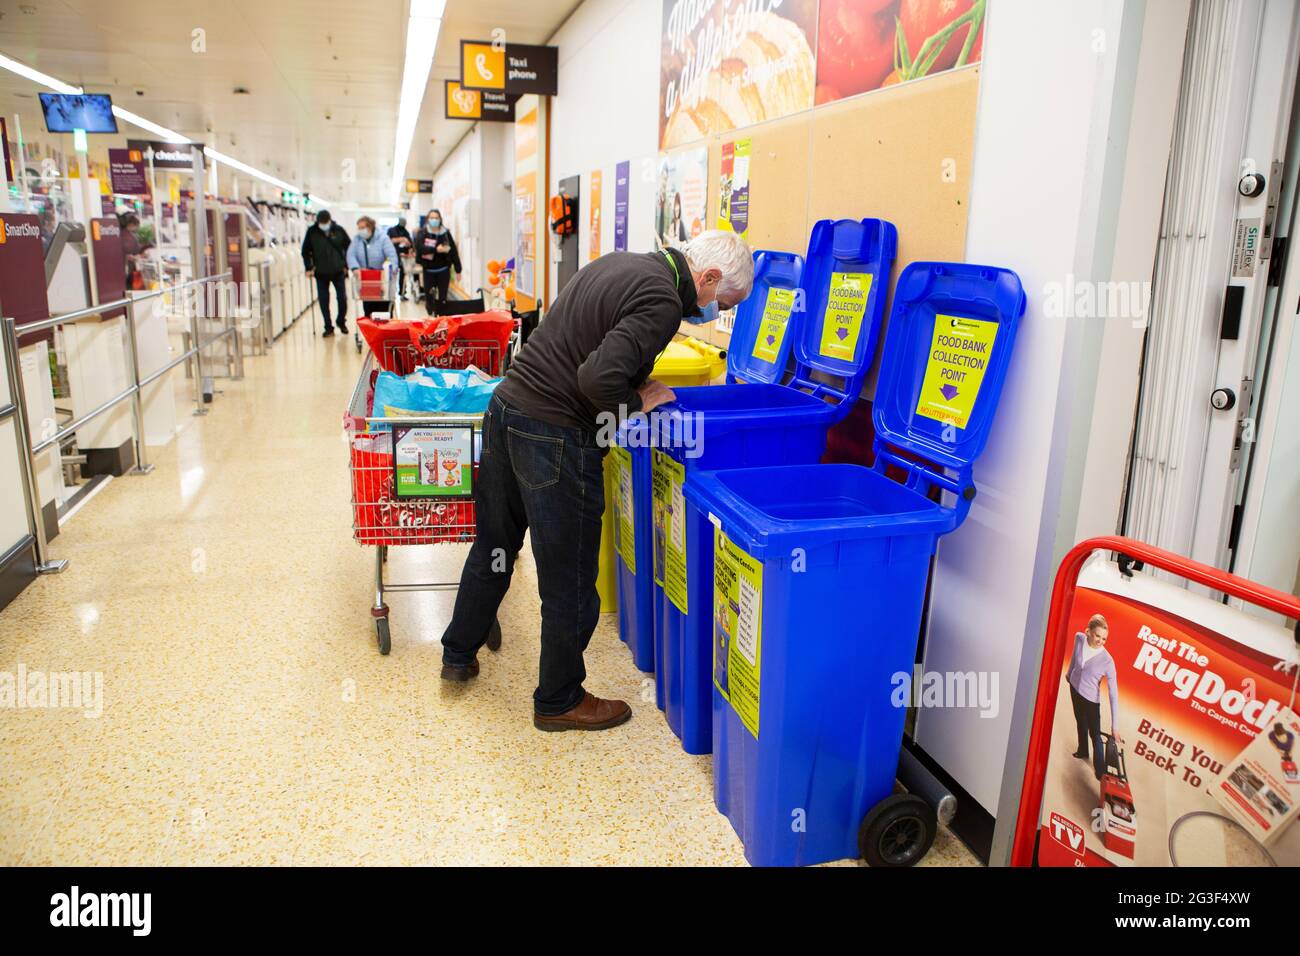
x=311, y=273
x=653, y=394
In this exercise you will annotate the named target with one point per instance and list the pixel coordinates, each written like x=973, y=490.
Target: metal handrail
x=57, y=320
x=27, y=451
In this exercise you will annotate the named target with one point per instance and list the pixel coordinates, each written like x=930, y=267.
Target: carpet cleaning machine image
x=1118, y=813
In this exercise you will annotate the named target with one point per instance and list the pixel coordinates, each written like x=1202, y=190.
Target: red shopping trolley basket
x=372, y=285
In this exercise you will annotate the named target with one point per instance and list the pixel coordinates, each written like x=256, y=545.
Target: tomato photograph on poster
x=865, y=45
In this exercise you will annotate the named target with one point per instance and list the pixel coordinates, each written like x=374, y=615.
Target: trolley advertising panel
x=1165, y=731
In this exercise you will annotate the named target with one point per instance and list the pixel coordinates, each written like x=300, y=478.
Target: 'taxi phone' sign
x=508, y=67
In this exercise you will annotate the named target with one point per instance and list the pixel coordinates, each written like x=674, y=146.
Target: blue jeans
x=340, y=284
x=548, y=480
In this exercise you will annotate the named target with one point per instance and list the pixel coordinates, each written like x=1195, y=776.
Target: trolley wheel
x=382, y=635
x=898, y=831
x=357, y=337
x=494, y=636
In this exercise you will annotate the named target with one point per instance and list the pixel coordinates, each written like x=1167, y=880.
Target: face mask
x=364, y=233
x=325, y=226
x=435, y=224
x=707, y=314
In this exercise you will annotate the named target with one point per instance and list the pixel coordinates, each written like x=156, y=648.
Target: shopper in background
x=371, y=249
x=401, y=240
x=541, y=468
x=435, y=250
x=324, y=253
x=133, y=247
x=1089, y=663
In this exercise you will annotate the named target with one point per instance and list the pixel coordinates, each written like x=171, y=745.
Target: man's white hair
x=726, y=251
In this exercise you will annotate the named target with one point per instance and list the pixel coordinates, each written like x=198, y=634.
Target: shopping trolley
x=381, y=516
x=411, y=278
x=370, y=285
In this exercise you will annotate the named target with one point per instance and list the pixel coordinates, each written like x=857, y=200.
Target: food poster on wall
x=527, y=159
x=622, y=183
x=725, y=65
x=865, y=45
x=682, y=196
x=433, y=461
x=666, y=480
x=737, y=627
x=733, y=188
x=1174, y=738
x=593, y=220
x=625, y=520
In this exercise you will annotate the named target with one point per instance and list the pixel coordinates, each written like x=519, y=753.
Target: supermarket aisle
x=247, y=717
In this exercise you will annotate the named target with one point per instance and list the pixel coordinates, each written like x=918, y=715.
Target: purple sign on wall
x=622, y=175
x=127, y=172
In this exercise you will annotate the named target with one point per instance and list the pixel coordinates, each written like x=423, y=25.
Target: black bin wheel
x=898, y=831
x=382, y=636
x=494, y=636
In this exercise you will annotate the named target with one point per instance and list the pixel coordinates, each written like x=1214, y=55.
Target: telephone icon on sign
x=480, y=64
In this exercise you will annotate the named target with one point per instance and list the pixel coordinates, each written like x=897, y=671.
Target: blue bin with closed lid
x=819, y=574
x=800, y=348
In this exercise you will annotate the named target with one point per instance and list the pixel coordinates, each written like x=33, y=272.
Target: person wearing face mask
x=371, y=249
x=324, y=254
x=435, y=250
x=587, y=363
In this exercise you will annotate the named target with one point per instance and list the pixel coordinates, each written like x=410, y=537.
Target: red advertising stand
x=1164, y=728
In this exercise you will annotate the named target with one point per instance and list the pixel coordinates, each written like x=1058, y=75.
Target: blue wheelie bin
x=841, y=286
x=632, y=541
x=818, y=579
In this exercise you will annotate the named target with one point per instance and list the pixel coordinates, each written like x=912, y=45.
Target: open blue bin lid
x=845, y=280
x=766, y=322
x=945, y=360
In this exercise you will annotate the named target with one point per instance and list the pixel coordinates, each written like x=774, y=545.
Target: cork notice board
x=902, y=153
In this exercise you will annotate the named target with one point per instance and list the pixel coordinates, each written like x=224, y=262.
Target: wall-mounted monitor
x=66, y=112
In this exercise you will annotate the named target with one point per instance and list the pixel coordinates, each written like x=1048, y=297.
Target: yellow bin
x=685, y=362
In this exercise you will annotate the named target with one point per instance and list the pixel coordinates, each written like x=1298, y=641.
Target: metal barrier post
x=233, y=324
x=142, y=466
x=36, y=521
x=196, y=343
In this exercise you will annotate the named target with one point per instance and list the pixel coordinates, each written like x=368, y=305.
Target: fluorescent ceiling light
x=169, y=135
x=421, y=40
x=36, y=76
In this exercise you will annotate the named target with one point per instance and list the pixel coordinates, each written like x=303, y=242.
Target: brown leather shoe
x=593, y=713
x=452, y=672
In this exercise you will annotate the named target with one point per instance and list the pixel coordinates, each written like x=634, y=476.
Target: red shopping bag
x=459, y=341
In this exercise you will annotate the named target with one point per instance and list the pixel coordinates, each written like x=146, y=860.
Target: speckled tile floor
x=247, y=717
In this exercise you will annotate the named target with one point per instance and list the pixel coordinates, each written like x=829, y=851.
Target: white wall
x=1058, y=97
x=496, y=196
x=456, y=187
x=606, y=112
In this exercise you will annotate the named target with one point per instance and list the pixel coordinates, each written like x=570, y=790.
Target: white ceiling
x=324, y=76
